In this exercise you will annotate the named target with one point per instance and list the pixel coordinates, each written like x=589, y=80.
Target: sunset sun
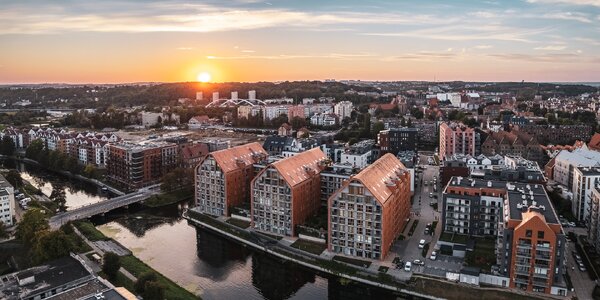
x=203, y=77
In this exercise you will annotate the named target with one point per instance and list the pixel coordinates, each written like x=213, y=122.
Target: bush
x=140, y=285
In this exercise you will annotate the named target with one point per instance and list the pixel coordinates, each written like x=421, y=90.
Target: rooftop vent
x=489, y=184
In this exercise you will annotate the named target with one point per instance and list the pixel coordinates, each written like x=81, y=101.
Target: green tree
x=178, y=179
x=111, y=265
x=51, y=245
x=59, y=197
x=14, y=178
x=417, y=113
x=140, y=284
x=3, y=232
x=34, y=149
x=154, y=290
x=90, y=171
x=7, y=146
x=377, y=127
x=33, y=221
x=297, y=122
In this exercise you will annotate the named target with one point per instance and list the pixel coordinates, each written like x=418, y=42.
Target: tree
x=297, y=122
x=34, y=149
x=90, y=171
x=140, y=284
x=51, y=245
x=3, y=232
x=417, y=113
x=7, y=146
x=178, y=179
x=154, y=290
x=377, y=127
x=14, y=178
x=59, y=197
x=111, y=265
x=33, y=222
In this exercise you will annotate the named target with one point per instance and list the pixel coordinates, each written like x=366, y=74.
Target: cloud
x=340, y=56
x=184, y=48
x=550, y=58
x=182, y=17
x=569, y=16
x=483, y=47
x=551, y=48
x=568, y=2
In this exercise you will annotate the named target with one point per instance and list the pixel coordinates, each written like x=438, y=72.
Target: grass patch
x=383, y=269
x=89, y=231
x=483, y=255
x=49, y=208
x=353, y=261
x=163, y=199
x=120, y=281
x=239, y=223
x=413, y=227
x=172, y=290
x=454, y=238
x=308, y=246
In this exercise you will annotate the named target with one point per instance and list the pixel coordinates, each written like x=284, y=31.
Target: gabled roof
x=193, y=151
x=300, y=167
x=376, y=176
x=231, y=159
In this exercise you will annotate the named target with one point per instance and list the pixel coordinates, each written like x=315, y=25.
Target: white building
x=566, y=161
x=7, y=202
x=343, y=109
x=274, y=111
x=323, y=119
x=584, y=181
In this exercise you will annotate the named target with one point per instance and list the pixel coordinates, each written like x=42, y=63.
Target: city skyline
x=245, y=40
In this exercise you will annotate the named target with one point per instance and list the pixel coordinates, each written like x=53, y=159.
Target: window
x=540, y=234
x=528, y=233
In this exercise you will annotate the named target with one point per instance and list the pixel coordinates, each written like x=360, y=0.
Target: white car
x=433, y=255
x=421, y=244
x=407, y=266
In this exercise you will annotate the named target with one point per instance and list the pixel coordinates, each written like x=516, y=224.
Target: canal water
x=205, y=263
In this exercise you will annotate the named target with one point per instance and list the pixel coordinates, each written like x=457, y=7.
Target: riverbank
x=418, y=285
x=134, y=266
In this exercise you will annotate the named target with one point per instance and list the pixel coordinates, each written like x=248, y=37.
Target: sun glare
x=203, y=77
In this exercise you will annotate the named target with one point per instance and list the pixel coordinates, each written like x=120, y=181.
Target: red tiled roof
x=595, y=142
x=297, y=168
x=228, y=159
x=374, y=176
x=193, y=151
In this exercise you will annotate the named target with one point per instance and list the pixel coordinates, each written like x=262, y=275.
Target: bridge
x=100, y=207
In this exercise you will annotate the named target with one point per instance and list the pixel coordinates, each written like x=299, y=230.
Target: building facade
x=370, y=210
x=394, y=140
x=585, y=180
x=7, y=202
x=343, y=109
x=222, y=179
x=287, y=192
x=456, y=139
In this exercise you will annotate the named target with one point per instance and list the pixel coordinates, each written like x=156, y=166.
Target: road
x=100, y=207
x=422, y=211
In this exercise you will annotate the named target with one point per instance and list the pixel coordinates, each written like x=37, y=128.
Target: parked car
x=430, y=195
x=433, y=255
x=407, y=266
x=418, y=262
x=421, y=244
x=582, y=267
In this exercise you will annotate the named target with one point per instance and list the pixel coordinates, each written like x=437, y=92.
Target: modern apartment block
x=370, y=210
x=472, y=206
x=7, y=202
x=222, y=179
x=287, y=192
x=394, y=140
x=585, y=179
x=141, y=164
x=456, y=139
x=332, y=179
x=532, y=244
x=594, y=219
x=343, y=109
x=566, y=161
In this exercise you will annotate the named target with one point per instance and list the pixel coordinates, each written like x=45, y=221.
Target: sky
x=118, y=41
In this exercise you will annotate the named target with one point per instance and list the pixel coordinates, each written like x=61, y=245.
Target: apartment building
x=370, y=210
x=513, y=143
x=566, y=161
x=557, y=135
x=222, y=179
x=343, y=109
x=296, y=111
x=359, y=155
x=332, y=179
x=394, y=140
x=585, y=179
x=287, y=192
x=456, y=139
x=7, y=202
x=472, y=206
x=532, y=244
x=140, y=164
x=594, y=219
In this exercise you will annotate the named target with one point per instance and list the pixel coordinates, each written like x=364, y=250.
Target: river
x=203, y=262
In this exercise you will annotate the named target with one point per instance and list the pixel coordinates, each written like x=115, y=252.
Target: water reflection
x=276, y=279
